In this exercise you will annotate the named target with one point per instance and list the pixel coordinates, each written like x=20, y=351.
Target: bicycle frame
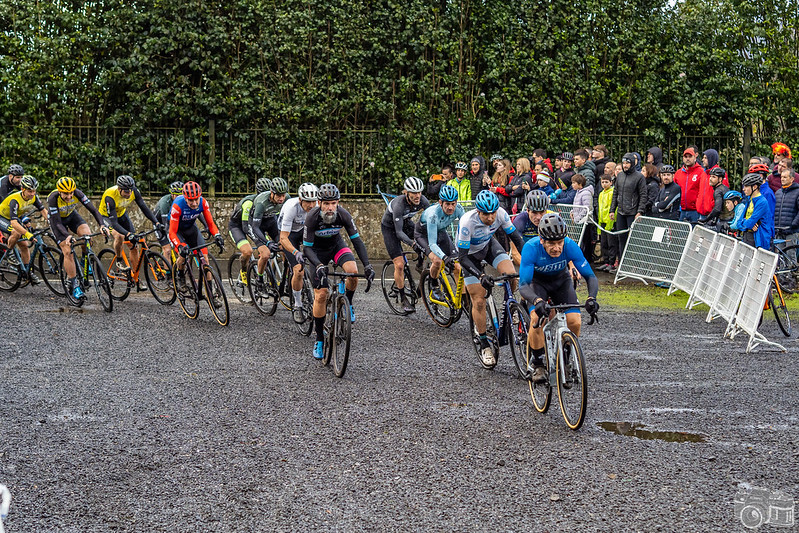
x=553, y=332
x=456, y=296
x=35, y=250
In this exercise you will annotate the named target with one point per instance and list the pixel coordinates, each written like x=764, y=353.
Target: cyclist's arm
x=526, y=273
x=144, y=207
x=111, y=209
x=253, y=223
x=286, y=243
x=432, y=237
x=759, y=212
x=399, y=229
x=578, y=260
x=174, y=223
x=37, y=203
x=90, y=207
x=209, y=220
x=464, y=245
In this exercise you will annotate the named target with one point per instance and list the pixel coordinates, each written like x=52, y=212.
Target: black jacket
x=667, y=204
x=629, y=193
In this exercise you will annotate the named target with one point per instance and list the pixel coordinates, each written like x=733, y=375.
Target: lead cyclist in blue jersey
x=476, y=242
x=431, y=234
x=544, y=273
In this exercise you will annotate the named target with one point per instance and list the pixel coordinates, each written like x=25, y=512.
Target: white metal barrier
x=5, y=503
x=692, y=259
x=732, y=283
x=716, y=264
x=575, y=216
x=654, y=249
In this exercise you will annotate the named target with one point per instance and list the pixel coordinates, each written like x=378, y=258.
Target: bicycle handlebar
x=76, y=241
x=355, y=275
x=562, y=307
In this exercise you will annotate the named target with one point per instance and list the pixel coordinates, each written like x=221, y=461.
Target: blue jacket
x=760, y=216
x=787, y=213
x=768, y=194
x=738, y=216
x=564, y=197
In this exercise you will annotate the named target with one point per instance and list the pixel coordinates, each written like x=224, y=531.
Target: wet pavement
x=143, y=420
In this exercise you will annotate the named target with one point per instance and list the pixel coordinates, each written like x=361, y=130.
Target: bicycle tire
x=158, y=274
x=9, y=270
x=788, y=261
x=261, y=289
x=101, y=284
x=541, y=393
x=517, y=337
x=327, y=335
x=213, y=288
x=239, y=289
x=575, y=396
x=282, y=273
x=777, y=303
x=341, y=336
x=214, y=264
x=306, y=327
x=51, y=261
x=440, y=313
x=189, y=301
x=411, y=289
x=491, y=335
x=81, y=281
x=119, y=281
x=390, y=291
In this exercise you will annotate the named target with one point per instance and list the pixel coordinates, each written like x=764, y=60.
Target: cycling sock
x=350, y=295
x=537, y=355
x=297, y=297
x=320, y=328
x=483, y=341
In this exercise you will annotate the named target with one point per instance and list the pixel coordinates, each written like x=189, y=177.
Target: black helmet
x=16, y=170
x=328, y=192
x=262, y=185
x=552, y=227
x=29, y=182
x=667, y=169
x=125, y=182
x=536, y=200
x=176, y=187
x=279, y=186
x=718, y=172
x=752, y=180
x=567, y=156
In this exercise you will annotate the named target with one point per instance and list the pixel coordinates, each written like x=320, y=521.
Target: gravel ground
x=143, y=420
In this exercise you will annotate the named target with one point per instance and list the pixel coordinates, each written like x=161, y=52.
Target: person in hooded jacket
x=629, y=198
x=706, y=200
x=564, y=174
x=689, y=178
x=638, y=163
x=585, y=166
x=599, y=156
x=652, y=187
x=667, y=203
x=654, y=156
x=478, y=175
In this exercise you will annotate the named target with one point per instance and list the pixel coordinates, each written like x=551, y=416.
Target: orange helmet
x=781, y=149
x=192, y=190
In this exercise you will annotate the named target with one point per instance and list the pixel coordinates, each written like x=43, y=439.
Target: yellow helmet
x=66, y=185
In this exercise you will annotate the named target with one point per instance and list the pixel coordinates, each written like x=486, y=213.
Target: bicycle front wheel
x=237, y=286
x=541, y=393
x=491, y=336
x=788, y=268
x=517, y=337
x=306, y=326
x=261, y=289
x=572, y=382
x=440, y=310
x=51, y=261
x=188, y=299
x=158, y=274
x=390, y=290
x=9, y=270
x=342, y=329
x=119, y=280
x=215, y=295
x=101, y=285
x=776, y=301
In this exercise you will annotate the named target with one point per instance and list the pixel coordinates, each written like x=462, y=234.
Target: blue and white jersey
x=536, y=261
x=473, y=235
x=434, y=220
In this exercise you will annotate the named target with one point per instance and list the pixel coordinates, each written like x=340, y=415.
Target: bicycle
x=338, y=324
x=14, y=273
x=237, y=286
x=787, y=262
x=390, y=290
x=90, y=272
x=776, y=301
x=448, y=311
x=157, y=271
x=565, y=367
x=276, y=287
x=189, y=300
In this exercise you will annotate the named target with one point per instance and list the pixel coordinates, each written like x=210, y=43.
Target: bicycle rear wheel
x=517, y=333
x=119, y=281
x=188, y=300
x=306, y=327
x=261, y=289
x=51, y=261
x=215, y=296
x=239, y=289
x=776, y=301
x=572, y=382
x=342, y=330
x=440, y=311
x=282, y=272
x=541, y=393
x=9, y=270
x=158, y=274
x=390, y=290
x=788, y=265
x=101, y=285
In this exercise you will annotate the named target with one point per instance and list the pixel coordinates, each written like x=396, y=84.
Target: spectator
x=733, y=201
x=786, y=215
x=757, y=225
x=540, y=156
x=610, y=170
x=584, y=206
x=496, y=158
x=650, y=173
x=629, y=198
x=565, y=173
x=667, y=203
x=782, y=166
x=600, y=156
x=638, y=162
x=544, y=180
x=461, y=182
x=719, y=190
x=499, y=181
x=520, y=184
x=585, y=166
x=608, y=243
x=689, y=178
x=765, y=189
x=564, y=194
x=780, y=152
x=437, y=180
x=478, y=175
x=654, y=156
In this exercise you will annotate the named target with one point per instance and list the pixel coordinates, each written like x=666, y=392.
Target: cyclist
x=396, y=226
x=161, y=213
x=536, y=204
x=261, y=225
x=431, y=235
x=544, y=274
x=758, y=222
x=11, y=182
x=12, y=212
x=322, y=243
x=64, y=217
x=476, y=242
x=239, y=223
x=184, y=234
x=291, y=223
x=113, y=206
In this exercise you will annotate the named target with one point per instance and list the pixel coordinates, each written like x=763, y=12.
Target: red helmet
x=192, y=190
x=760, y=168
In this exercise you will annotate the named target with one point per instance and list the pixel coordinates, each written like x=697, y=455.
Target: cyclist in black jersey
x=11, y=182
x=397, y=227
x=261, y=224
x=322, y=243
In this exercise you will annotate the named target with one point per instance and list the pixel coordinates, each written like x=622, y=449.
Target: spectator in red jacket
x=705, y=201
x=690, y=178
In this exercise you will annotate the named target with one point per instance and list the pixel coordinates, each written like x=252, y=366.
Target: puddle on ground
x=633, y=429
x=72, y=310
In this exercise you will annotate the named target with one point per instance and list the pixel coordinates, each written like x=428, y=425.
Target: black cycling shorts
x=558, y=288
x=339, y=254
x=295, y=238
x=72, y=222
x=192, y=237
x=493, y=254
x=443, y=240
x=393, y=244
x=123, y=221
x=237, y=235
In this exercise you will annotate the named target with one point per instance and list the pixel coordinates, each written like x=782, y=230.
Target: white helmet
x=308, y=192
x=414, y=184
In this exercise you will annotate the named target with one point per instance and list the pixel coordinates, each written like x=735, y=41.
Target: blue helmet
x=448, y=193
x=732, y=195
x=486, y=201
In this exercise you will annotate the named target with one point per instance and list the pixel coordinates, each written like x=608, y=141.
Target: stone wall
x=366, y=212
